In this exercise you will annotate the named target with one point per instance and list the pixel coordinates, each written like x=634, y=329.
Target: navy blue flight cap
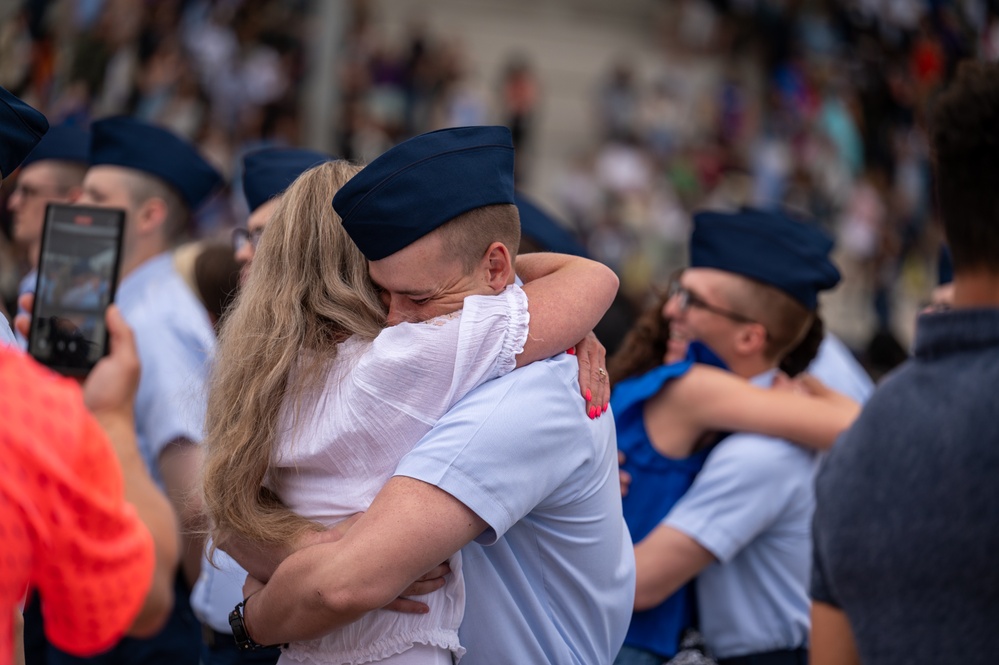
x=67, y=143
x=769, y=247
x=268, y=172
x=123, y=141
x=539, y=226
x=21, y=128
x=420, y=184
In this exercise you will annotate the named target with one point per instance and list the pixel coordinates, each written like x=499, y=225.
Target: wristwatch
x=243, y=640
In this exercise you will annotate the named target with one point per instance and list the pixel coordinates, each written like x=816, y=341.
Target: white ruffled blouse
x=379, y=400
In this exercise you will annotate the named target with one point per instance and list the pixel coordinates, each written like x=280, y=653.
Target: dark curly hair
x=644, y=347
x=965, y=141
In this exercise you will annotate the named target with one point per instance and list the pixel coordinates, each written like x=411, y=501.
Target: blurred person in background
x=82, y=519
x=211, y=272
x=742, y=526
x=52, y=173
x=670, y=404
x=266, y=174
x=904, y=533
x=158, y=179
x=21, y=129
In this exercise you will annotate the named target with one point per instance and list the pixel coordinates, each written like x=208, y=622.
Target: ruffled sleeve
x=424, y=368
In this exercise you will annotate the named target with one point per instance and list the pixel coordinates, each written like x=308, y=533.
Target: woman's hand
x=593, y=382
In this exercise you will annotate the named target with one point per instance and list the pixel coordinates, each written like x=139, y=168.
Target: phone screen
x=77, y=275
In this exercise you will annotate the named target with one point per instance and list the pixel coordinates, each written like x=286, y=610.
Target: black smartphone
x=77, y=276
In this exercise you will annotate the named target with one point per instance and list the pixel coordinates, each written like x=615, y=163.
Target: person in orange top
x=80, y=518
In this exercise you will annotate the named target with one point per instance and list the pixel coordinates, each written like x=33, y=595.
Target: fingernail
x=589, y=396
x=593, y=412
x=571, y=351
x=606, y=406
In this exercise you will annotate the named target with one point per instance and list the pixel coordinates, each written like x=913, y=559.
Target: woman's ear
x=497, y=265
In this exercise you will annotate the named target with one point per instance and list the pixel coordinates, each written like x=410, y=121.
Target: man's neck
x=131, y=262
x=974, y=289
x=747, y=368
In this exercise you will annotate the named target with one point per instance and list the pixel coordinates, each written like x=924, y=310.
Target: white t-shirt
x=339, y=448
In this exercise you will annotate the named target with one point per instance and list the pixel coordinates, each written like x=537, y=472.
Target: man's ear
x=151, y=216
x=497, y=266
x=751, y=339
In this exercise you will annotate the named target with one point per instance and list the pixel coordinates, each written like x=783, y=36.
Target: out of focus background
x=627, y=115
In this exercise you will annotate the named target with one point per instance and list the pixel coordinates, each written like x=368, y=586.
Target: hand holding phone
x=111, y=386
x=77, y=276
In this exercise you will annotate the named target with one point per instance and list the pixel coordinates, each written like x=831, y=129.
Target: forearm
x=831, y=641
x=409, y=529
x=719, y=401
x=156, y=513
x=309, y=596
x=180, y=466
x=665, y=560
x=567, y=297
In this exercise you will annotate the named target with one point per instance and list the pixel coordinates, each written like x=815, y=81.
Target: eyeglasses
x=243, y=237
x=685, y=299
x=29, y=192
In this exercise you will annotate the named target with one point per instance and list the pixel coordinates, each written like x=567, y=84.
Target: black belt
x=797, y=656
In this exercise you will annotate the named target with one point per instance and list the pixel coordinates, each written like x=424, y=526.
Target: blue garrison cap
x=122, y=141
x=945, y=267
x=540, y=227
x=268, y=172
x=769, y=247
x=421, y=183
x=67, y=143
x=21, y=128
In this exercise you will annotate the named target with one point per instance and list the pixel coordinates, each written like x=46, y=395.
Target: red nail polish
x=571, y=351
x=606, y=406
x=592, y=412
x=588, y=395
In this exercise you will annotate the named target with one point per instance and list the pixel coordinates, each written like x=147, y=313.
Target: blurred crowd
x=818, y=106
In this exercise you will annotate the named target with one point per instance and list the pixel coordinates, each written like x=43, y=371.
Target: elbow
x=646, y=599
x=609, y=283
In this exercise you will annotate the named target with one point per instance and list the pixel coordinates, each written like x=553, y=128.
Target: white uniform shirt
x=552, y=580
x=836, y=367
x=6, y=334
x=26, y=285
x=379, y=399
x=176, y=345
x=751, y=506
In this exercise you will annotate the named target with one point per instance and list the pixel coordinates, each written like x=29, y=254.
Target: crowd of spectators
x=816, y=105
